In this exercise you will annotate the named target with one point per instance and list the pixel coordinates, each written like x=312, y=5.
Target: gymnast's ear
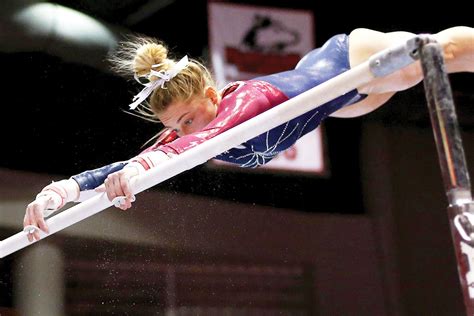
x=211, y=93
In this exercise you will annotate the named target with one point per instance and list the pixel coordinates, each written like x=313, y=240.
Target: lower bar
x=311, y=99
x=274, y=117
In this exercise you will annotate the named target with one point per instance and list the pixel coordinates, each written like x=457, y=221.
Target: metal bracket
x=393, y=59
x=463, y=221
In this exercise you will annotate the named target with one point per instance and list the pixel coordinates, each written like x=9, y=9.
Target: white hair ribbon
x=164, y=75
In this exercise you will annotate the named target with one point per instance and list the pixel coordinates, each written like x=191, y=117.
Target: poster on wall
x=248, y=41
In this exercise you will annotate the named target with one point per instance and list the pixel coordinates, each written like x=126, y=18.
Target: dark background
x=63, y=118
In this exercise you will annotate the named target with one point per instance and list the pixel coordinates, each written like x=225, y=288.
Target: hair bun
x=150, y=54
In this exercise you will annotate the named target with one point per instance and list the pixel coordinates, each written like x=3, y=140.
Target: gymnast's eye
x=188, y=122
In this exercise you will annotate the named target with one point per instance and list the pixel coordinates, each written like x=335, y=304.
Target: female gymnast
x=182, y=95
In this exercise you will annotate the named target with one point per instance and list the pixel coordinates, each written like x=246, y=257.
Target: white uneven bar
x=274, y=117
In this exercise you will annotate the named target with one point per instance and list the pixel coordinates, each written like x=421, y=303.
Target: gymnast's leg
x=457, y=43
x=458, y=48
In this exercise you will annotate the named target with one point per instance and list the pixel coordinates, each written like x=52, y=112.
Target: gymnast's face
x=191, y=116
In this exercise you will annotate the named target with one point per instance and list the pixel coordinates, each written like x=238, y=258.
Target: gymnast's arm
x=81, y=187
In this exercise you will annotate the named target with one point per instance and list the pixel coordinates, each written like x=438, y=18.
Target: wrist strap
x=148, y=160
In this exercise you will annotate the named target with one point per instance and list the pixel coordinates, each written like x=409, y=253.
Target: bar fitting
x=392, y=59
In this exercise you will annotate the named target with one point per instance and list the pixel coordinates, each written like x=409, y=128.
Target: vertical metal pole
x=452, y=161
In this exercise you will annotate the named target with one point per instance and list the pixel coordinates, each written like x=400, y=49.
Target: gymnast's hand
x=35, y=213
x=117, y=184
x=49, y=200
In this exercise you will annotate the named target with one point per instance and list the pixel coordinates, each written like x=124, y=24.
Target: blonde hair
x=138, y=54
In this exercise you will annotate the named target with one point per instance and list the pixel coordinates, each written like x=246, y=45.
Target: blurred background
x=368, y=236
